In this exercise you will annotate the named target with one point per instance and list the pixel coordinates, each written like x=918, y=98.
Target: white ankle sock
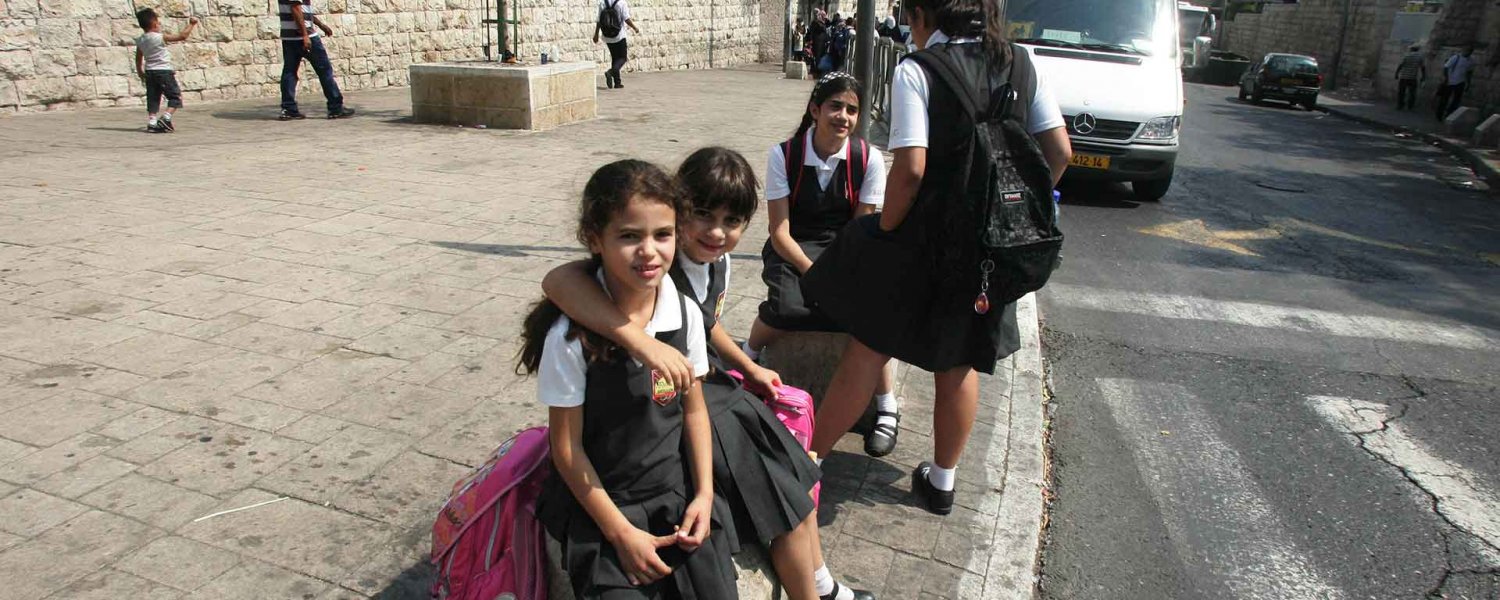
x=151, y=121
x=823, y=581
x=887, y=402
x=166, y=116
x=750, y=352
x=941, y=478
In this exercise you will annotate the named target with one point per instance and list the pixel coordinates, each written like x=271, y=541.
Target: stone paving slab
x=327, y=312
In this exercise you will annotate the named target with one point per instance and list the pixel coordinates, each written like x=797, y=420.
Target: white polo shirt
x=563, y=375
x=871, y=189
x=910, y=95
x=623, y=7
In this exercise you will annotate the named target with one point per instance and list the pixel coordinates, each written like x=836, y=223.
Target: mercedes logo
x=1084, y=123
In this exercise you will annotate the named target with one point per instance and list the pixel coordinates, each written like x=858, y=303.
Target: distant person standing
x=1409, y=75
x=614, y=16
x=1456, y=74
x=300, y=41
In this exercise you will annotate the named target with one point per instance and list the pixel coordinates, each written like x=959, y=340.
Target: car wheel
x=1255, y=96
x=1151, y=190
x=1311, y=104
x=1243, y=95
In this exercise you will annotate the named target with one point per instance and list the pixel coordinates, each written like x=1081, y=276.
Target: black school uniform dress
x=815, y=217
x=891, y=290
x=760, y=470
x=632, y=433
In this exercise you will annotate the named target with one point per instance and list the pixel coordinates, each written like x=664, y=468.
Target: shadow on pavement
x=414, y=583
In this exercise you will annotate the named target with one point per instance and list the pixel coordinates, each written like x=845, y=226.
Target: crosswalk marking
x=1292, y=318
x=1461, y=497
x=1214, y=512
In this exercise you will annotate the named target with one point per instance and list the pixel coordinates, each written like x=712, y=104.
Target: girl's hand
x=661, y=357
x=694, y=529
x=637, y=551
x=761, y=378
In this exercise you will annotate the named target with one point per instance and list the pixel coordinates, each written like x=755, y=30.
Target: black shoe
x=882, y=439
x=619, y=84
x=155, y=128
x=342, y=113
x=858, y=594
x=167, y=125
x=936, y=501
x=291, y=115
x=609, y=80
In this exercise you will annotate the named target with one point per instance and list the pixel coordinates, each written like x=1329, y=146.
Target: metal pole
x=710, y=34
x=786, y=33
x=864, y=56
x=1338, y=54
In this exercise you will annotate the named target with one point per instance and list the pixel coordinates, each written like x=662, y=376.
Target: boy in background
x=154, y=65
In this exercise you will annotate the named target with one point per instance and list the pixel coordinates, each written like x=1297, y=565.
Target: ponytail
x=995, y=43
x=534, y=335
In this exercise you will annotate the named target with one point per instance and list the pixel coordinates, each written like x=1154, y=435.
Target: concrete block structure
x=1487, y=134
x=504, y=96
x=1461, y=123
x=63, y=54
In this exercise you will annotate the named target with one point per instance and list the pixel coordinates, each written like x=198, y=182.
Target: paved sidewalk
x=326, y=312
x=1421, y=122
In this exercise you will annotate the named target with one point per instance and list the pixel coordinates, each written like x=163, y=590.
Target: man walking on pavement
x=1409, y=74
x=1456, y=74
x=300, y=41
x=614, y=15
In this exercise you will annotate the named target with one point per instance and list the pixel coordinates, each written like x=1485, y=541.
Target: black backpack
x=1004, y=179
x=609, y=20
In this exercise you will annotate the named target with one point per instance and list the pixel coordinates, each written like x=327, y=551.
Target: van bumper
x=1127, y=162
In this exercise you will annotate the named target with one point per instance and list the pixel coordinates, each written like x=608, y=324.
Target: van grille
x=1106, y=129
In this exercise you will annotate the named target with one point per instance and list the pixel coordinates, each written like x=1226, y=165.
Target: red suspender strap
x=792, y=197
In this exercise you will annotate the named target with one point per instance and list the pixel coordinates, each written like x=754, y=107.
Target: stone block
x=16, y=64
x=112, y=86
x=54, y=62
x=807, y=360
x=83, y=59
x=236, y=53
x=215, y=29
x=42, y=90
x=115, y=61
x=1461, y=122
x=8, y=97
x=472, y=93
x=96, y=32
x=1487, y=134
x=18, y=34
x=796, y=69
x=58, y=33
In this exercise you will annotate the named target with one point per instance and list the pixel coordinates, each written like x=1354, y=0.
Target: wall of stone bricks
x=58, y=54
x=1311, y=27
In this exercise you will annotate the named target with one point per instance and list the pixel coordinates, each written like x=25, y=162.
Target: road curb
x=1481, y=167
x=1018, y=523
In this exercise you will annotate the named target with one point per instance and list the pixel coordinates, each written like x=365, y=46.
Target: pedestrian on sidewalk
x=817, y=181
x=154, y=65
x=1410, y=74
x=913, y=265
x=1457, y=72
x=299, y=40
x=614, y=17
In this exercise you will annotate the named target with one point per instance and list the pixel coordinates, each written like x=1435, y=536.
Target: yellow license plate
x=1288, y=81
x=1090, y=161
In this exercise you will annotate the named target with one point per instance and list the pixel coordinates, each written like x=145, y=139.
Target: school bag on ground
x=794, y=408
x=486, y=541
x=610, y=22
x=1005, y=179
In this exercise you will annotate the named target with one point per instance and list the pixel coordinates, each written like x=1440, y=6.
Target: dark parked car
x=1290, y=77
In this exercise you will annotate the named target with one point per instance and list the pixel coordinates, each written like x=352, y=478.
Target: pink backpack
x=794, y=408
x=486, y=540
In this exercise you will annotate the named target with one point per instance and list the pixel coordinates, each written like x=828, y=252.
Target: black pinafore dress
x=760, y=470
x=816, y=216
x=887, y=289
x=632, y=434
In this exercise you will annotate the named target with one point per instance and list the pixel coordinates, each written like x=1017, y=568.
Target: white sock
x=941, y=478
x=166, y=116
x=151, y=121
x=887, y=403
x=750, y=352
x=823, y=581
x=818, y=460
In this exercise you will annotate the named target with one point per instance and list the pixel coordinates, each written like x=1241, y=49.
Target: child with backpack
x=614, y=16
x=632, y=502
x=979, y=144
x=817, y=181
x=760, y=470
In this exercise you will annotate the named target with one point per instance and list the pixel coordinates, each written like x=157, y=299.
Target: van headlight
x=1161, y=129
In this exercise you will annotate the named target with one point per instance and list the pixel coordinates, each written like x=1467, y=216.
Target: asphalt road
x=1280, y=381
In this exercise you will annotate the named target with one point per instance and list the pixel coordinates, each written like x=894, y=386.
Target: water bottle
x=556, y=54
x=1056, y=210
x=544, y=57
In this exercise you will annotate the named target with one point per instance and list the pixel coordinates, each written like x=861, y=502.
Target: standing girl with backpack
x=760, y=471
x=816, y=182
x=631, y=502
x=614, y=17
x=911, y=283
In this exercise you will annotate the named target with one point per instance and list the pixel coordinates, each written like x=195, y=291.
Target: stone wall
x=773, y=25
x=1311, y=27
x=80, y=53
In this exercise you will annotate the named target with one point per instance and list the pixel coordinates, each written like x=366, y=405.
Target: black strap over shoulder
x=958, y=74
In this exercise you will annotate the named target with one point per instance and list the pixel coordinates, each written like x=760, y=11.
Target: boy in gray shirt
x=154, y=65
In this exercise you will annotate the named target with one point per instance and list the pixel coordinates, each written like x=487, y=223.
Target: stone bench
x=807, y=360
x=503, y=96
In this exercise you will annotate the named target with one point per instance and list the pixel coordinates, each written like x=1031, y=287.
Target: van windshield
x=1141, y=27
x=1191, y=23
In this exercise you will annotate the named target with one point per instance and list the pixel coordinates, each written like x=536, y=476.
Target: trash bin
x=1225, y=68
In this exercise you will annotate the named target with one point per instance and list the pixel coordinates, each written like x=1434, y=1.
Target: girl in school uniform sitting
x=922, y=303
x=760, y=470
x=817, y=181
x=631, y=502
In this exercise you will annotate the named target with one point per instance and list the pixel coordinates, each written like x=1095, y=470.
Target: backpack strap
x=795, y=152
x=855, y=168
x=937, y=61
